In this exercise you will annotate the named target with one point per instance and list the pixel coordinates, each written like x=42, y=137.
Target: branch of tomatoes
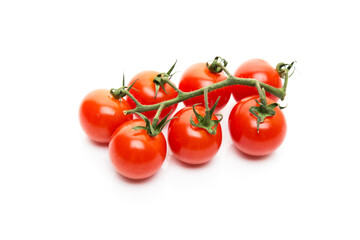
x=138, y=148
x=217, y=65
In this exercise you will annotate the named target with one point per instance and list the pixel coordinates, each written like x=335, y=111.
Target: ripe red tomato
x=144, y=91
x=101, y=114
x=257, y=69
x=191, y=144
x=243, y=129
x=134, y=153
x=198, y=76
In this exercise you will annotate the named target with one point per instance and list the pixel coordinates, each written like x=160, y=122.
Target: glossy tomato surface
x=191, y=144
x=258, y=69
x=144, y=91
x=101, y=114
x=198, y=76
x=134, y=153
x=243, y=129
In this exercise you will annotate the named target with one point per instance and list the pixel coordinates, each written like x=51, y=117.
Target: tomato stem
x=262, y=94
x=157, y=115
x=263, y=110
x=206, y=101
x=223, y=67
x=206, y=122
x=168, y=81
x=155, y=127
x=283, y=70
x=214, y=67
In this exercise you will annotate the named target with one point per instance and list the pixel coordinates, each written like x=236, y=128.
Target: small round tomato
x=134, y=153
x=144, y=91
x=101, y=114
x=192, y=145
x=198, y=76
x=256, y=69
x=243, y=129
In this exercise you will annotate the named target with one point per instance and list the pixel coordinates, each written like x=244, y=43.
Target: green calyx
x=206, y=122
x=163, y=78
x=263, y=110
x=283, y=70
x=155, y=127
x=118, y=93
x=214, y=66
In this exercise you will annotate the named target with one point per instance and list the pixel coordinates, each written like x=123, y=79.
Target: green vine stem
x=282, y=68
x=206, y=122
x=263, y=110
x=155, y=127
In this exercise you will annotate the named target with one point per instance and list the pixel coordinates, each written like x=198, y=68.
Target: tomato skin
x=134, y=153
x=145, y=93
x=243, y=129
x=101, y=114
x=191, y=144
x=198, y=76
x=258, y=69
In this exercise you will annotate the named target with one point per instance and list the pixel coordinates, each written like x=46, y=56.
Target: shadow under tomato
x=134, y=181
x=97, y=144
x=246, y=156
x=187, y=165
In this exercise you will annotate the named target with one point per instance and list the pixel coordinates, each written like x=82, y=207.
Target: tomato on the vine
x=144, y=91
x=198, y=76
x=101, y=114
x=243, y=129
x=257, y=69
x=134, y=153
x=190, y=144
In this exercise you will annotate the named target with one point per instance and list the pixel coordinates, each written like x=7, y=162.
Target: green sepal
x=171, y=69
x=159, y=82
x=164, y=121
x=155, y=127
x=263, y=111
x=139, y=128
x=206, y=122
x=161, y=79
x=118, y=93
x=148, y=126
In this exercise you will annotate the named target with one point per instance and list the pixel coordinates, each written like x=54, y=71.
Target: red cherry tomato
x=198, y=76
x=243, y=129
x=101, y=114
x=191, y=144
x=134, y=153
x=144, y=91
x=257, y=69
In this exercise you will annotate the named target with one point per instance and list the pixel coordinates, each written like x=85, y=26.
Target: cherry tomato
x=144, y=91
x=257, y=69
x=191, y=144
x=243, y=129
x=101, y=114
x=198, y=76
x=134, y=153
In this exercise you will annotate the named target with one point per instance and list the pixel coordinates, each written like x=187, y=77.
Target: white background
x=56, y=184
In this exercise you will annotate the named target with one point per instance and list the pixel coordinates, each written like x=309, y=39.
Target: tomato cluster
x=138, y=148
